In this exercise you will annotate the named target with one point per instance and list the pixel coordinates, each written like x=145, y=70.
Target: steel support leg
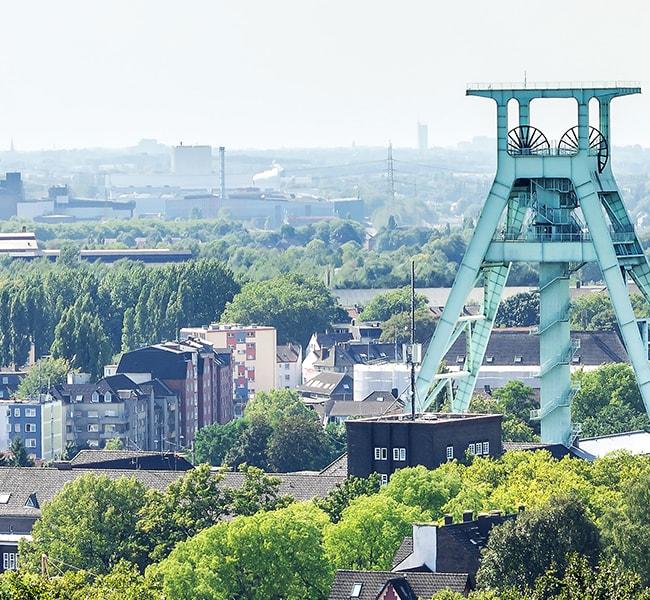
x=495, y=278
x=615, y=281
x=466, y=277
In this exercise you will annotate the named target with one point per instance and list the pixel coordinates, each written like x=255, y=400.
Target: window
x=489, y=359
x=5, y=380
x=30, y=427
x=30, y=443
x=16, y=412
x=92, y=414
x=450, y=452
x=9, y=561
x=79, y=398
x=399, y=454
x=518, y=358
x=383, y=479
x=479, y=448
x=109, y=413
x=30, y=412
x=94, y=397
x=486, y=447
x=93, y=427
x=108, y=397
x=287, y=377
x=286, y=366
x=93, y=443
x=17, y=427
x=460, y=359
x=356, y=590
x=472, y=449
x=381, y=453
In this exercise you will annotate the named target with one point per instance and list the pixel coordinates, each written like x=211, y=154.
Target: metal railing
x=551, y=85
x=618, y=237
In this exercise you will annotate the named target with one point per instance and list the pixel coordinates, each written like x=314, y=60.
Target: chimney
x=424, y=549
x=468, y=516
x=395, y=392
x=449, y=519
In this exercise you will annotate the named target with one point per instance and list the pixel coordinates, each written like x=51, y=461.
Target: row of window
x=29, y=427
x=29, y=412
x=479, y=448
x=398, y=454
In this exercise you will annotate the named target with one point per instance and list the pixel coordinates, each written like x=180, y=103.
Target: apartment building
x=38, y=423
x=289, y=361
x=141, y=415
x=199, y=374
x=254, y=356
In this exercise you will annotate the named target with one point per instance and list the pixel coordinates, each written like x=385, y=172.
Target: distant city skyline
x=302, y=74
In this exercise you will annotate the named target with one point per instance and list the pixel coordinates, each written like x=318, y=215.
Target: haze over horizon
x=329, y=74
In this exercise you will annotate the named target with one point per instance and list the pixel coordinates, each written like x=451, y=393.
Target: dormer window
x=489, y=359
x=108, y=397
x=460, y=359
x=518, y=358
x=94, y=397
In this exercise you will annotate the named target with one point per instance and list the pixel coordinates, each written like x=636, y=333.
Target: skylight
x=356, y=590
x=4, y=498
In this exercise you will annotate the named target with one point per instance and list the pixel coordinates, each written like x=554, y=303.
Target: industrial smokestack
x=222, y=171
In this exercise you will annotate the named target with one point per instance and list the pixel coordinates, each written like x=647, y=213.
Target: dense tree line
x=277, y=433
x=583, y=531
x=86, y=313
x=337, y=248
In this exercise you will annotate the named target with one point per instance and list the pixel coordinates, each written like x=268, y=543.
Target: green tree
x=90, y=523
x=44, y=374
x=114, y=444
x=369, y=532
x=18, y=454
x=519, y=551
x=251, y=447
x=520, y=310
x=515, y=398
x=338, y=499
x=275, y=555
x=384, y=306
x=194, y=502
x=299, y=443
x=607, y=581
x=627, y=528
x=398, y=327
x=213, y=442
x=425, y=489
x=295, y=305
x=607, y=394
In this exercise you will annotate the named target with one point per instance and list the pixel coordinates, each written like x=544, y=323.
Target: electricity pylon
x=559, y=207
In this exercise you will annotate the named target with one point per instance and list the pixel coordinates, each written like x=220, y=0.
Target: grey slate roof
x=288, y=353
x=345, y=356
x=424, y=585
x=46, y=482
x=327, y=384
x=300, y=486
x=349, y=408
x=337, y=467
x=596, y=348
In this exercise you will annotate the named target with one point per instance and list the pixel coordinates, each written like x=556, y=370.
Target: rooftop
x=554, y=85
x=368, y=585
x=634, y=442
x=427, y=418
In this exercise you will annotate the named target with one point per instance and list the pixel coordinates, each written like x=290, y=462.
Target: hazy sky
x=265, y=74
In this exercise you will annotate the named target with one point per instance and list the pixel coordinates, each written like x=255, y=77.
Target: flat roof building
x=384, y=444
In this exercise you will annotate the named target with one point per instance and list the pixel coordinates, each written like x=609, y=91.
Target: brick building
x=385, y=444
x=198, y=373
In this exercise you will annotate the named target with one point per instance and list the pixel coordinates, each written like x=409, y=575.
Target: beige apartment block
x=254, y=352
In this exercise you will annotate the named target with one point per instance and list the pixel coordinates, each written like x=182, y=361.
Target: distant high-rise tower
x=423, y=136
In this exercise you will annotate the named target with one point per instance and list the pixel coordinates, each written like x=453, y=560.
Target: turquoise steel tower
x=558, y=206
